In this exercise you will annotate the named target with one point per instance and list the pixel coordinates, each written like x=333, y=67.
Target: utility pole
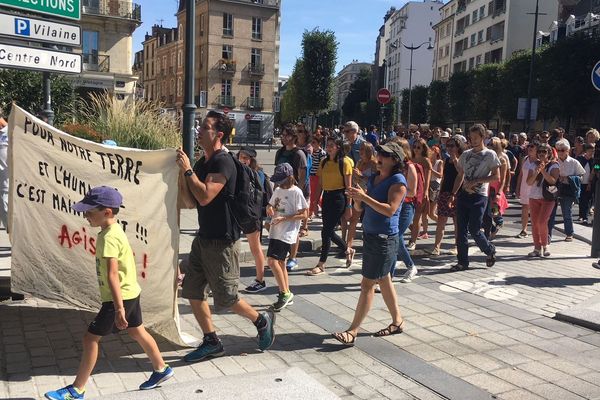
x=189, y=108
x=532, y=66
x=412, y=48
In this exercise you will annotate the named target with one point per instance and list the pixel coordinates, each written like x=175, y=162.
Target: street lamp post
x=412, y=48
x=189, y=108
x=531, y=68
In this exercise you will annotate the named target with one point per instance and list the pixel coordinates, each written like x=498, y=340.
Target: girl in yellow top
x=335, y=176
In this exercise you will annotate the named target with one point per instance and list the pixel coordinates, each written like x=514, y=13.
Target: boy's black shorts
x=104, y=323
x=278, y=250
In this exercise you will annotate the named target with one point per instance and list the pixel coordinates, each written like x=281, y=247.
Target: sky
x=355, y=23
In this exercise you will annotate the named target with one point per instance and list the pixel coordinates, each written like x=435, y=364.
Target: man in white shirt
x=570, y=169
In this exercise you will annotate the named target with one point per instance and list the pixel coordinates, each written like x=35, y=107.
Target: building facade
x=574, y=17
x=411, y=25
x=237, y=67
x=107, y=47
x=344, y=80
x=492, y=31
x=444, y=42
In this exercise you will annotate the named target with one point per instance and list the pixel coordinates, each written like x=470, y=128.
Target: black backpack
x=267, y=193
x=247, y=200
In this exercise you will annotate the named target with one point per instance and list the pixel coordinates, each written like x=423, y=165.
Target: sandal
x=346, y=338
x=390, y=330
x=303, y=232
x=316, y=271
x=350, y=257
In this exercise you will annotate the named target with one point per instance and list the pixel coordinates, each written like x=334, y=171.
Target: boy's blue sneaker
x=292, y=264
x=66, y=393
x=157, y=378
x=266, y=333
x=204, y=351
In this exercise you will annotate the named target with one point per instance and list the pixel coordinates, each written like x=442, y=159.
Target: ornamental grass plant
x=138, y=124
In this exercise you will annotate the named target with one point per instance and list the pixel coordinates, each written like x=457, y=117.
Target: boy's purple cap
x=282, y=172
x=101, y=196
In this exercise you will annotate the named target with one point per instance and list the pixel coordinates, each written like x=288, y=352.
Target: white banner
x=53, y=247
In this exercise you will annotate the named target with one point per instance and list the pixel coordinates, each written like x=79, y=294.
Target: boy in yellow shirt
x=119, y=292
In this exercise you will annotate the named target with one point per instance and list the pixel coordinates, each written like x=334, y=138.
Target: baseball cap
x=250, y=152
x=282, y=172
x=101, y=196
x=391, y=148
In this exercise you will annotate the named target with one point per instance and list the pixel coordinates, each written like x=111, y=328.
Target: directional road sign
x=39, y=30
x=70, y=9
x=596, y=76
x=39, y=59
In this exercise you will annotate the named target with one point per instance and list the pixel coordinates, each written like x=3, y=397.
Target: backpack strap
x=341, y=167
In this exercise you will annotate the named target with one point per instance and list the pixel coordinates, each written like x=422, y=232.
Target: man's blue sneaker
x=292, y=264
x=157, y=378
x=204, y=351
x=66, y=393
x=266, y=334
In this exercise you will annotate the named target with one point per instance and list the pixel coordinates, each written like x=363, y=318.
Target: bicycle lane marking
x=493, y=287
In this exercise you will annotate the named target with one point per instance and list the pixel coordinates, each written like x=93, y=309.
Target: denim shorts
x=379, y=255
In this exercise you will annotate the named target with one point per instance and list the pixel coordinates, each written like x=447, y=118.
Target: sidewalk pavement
x=469, y=335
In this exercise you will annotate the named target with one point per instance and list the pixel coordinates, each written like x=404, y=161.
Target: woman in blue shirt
x=382, y=203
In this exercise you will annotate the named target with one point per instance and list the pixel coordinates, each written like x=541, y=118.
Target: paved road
x=470, y=334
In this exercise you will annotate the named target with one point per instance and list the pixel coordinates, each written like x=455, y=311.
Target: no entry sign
x=384, y=96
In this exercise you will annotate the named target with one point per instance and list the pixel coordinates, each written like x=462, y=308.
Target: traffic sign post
x=596, y=76
x=70, y=9
x=384, y=96
x=39, y=30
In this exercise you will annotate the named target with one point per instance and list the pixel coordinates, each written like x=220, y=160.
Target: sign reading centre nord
x=70, y=9
x=39, y=30
x=39, y=59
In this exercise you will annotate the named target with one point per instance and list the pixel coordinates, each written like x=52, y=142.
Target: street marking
x=493, y=287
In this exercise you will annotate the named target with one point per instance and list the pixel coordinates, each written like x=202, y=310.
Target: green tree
x=563, y=73
x=418, y=112
x=486, y=89
x=354, y=107
x=292, y=107
x=319, y=52
x=514, y=77
x=438, y=110
x=26, y=90
x=460, y=96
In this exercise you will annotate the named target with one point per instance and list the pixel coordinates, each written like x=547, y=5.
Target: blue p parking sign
x=596, y=76
x=22, y=27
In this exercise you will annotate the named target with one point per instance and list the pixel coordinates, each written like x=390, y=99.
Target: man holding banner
x=214, y=262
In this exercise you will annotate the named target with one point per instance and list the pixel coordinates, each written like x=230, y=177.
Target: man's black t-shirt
x=215, y=219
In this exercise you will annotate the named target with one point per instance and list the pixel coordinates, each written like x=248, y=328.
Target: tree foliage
x=438, y=110
x=319, y=52
x=460, y=96
x=292, y=107
x=514, y=77
x=26, y=90
x=355, y=105
x=486, y=91
x=418, y=112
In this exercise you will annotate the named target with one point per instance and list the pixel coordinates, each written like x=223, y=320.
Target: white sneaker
x=535, y=253
x=411, y=246
x=410, y=274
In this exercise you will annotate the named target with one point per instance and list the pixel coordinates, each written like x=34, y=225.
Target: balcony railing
x=227, y=67
x=256, y=69
x=95, y=62
x=269, y=3
x=254, y=103
x=113, y=8
x=226, y=101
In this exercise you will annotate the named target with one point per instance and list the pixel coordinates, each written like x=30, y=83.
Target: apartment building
x=107, y=47
x=444, y=42
x=411, y=26
x=344, y=80
x=237, y=63
x=162, y=68
x=379, y=65
x=492, y=31
x=574, y=17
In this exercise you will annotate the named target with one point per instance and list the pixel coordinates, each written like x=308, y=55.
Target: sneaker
x=458, y=267
x=291, y=265
x=266, y=334
x=435, y=252
x=596, y=264
x=377, y=288
x=157, y=378
x=205, y=351
x=585, y=222
x=410, y=274
x=256, y=287
x=535, y=253
x=411, y=246
x=283, y=300
x=522, y=235
x=66, y=393
x=545, y=252
x=569, y=238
